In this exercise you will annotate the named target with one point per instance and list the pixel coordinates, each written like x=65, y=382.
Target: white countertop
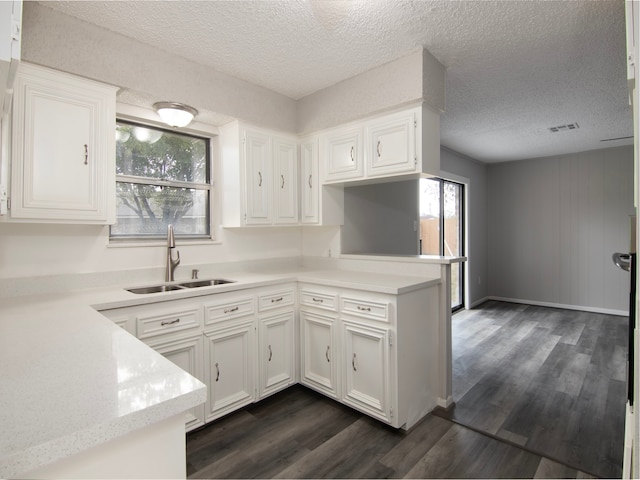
x=72, y=379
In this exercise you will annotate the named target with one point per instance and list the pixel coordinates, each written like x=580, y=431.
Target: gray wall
x=554, y=223
x=475, y=172
x=380, y=218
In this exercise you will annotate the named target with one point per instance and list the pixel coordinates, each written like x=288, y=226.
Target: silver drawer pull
x=378, y=149
x=86, y=154
x=326, y=354
x=351, y=154
x=353, y=363
x=282, y=181
x=217, y=372
x=270, y=353
x=260, y=179
x=310, y=185
x=231, y=310
x=169, y=322
x=274, y=300
x=364, y=309
x=318, y=300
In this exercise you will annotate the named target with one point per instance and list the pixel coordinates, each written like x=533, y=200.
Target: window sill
x=161, y=243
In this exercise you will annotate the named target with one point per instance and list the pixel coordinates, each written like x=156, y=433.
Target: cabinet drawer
x=228, y=309
x=324, y=300
x=158, y=323
x=366, y=308
x=271, y=300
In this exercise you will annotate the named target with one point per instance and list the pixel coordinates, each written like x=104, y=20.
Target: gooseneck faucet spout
x=171, y=263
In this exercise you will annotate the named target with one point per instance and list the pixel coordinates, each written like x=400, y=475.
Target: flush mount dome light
x=175, y=114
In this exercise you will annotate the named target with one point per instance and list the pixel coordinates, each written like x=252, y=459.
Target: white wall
x=475, y=173
x=415, y=78
x=381, y=218
x=59, y=41
x=554, y=223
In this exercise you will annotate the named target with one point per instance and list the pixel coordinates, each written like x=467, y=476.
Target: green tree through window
x=163, y=178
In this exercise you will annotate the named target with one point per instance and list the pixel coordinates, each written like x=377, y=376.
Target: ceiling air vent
x=564, y=128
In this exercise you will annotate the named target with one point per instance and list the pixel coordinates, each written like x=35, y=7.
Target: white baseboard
x=607, y=311
x=478, y=302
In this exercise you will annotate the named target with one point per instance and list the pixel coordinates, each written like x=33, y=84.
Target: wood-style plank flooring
x=551, y=380
x=525, y=379
x=298, y=433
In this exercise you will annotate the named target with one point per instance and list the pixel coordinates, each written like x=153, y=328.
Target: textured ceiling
x=514, y=68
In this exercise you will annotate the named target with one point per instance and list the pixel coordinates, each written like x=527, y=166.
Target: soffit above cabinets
x=513, y=68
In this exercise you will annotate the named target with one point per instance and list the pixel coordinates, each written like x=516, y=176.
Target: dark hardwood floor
x=551, y=380
x=298, y=433
x=540, y=394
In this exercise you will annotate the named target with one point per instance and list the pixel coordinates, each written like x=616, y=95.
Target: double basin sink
x=178, y=286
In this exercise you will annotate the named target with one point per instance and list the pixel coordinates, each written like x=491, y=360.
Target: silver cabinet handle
x=326, y=354
x=231, y=310
x=275, y=300
x=353, y=363
x=86, y=154
x=281, y=181
x=260, y=179
x=351, y=154
x=310, y=186
x=364, y=309
x=378, y=148
x=217, y=372
x=270, y=353
x=169, y=322
x=318, y=300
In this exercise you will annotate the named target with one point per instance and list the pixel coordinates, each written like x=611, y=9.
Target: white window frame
x=144, y=116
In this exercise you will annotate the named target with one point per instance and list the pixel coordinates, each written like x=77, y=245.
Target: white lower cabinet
x=276, y=352
x=366, y=372
x=319, y=353
x=230, y=374
x=247, y=344
x=186, y=353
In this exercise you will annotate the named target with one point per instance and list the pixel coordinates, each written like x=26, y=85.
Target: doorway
x=442, y=228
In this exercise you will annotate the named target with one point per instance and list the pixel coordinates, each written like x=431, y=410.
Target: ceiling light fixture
x=175, y=114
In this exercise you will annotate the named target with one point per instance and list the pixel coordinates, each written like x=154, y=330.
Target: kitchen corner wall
x=554, y=223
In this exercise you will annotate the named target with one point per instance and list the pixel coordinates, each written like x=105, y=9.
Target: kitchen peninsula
x=78, y=385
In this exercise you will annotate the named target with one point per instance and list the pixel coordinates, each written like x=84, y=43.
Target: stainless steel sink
x=205, y=283
x=155, y=289
x=180, y=286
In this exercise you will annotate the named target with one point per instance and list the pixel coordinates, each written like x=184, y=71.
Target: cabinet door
x=187, y=354
x=259, y=180
x=276, y=352
x=342, y=154
x=285, y=191
x=229, y=369
x=309, y=182
x=319, y=353
x=63, y=148
x=366, y=369
x=391, y=144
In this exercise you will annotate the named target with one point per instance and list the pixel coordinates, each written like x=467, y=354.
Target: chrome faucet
x=171, y=263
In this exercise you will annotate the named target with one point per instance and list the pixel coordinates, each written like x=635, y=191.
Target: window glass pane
x=154, y=153
x=147, y=210
x=429, y=216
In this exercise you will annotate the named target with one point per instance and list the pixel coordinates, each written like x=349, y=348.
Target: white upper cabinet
x=259, y=177
x=63, y=148
x=309, y=182
x=342, y=152
x=320, y=205
x=399, y=144
x=391, y=144
x=285, y=194
x=10, y=42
